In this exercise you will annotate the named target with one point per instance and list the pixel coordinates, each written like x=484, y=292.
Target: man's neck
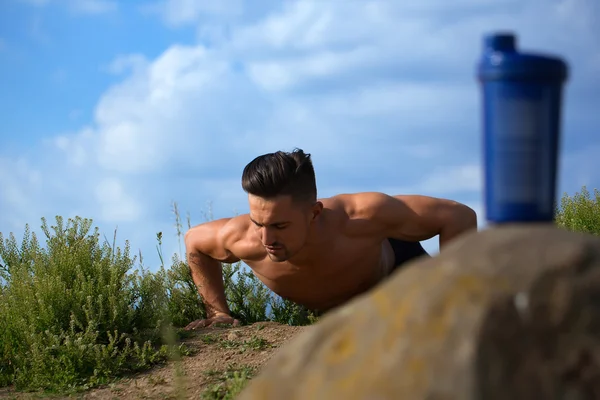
x=317, y=239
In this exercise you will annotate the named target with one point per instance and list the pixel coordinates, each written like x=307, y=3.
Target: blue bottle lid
x=501, y=60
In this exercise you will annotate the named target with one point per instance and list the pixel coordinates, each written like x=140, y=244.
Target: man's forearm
x=463, y=220
x=207, y=275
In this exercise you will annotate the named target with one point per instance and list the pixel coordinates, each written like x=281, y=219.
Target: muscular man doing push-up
x=315, y=252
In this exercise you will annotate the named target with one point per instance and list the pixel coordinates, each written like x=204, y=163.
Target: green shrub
x=71, y=314
x=74, y=313
x=182, y=301
x=251, y=301
x=580, y=212
x=247, y=296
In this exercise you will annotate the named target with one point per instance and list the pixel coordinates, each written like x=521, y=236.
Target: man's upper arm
x=211, y=239
x=408, y=217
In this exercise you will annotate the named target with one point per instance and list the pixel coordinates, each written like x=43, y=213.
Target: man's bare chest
x=329, y=279
x=348, y=260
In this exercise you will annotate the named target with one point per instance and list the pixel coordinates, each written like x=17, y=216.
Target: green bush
x=75, y=313
x=70, y=313
x=580, y=212
x=251, y=301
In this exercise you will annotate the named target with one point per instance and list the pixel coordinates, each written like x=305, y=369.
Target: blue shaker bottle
x=522, y=98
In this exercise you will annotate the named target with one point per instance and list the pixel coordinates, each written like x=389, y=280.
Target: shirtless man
x=319, y=253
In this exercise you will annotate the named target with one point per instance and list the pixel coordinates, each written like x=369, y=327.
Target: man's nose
x=268, y=236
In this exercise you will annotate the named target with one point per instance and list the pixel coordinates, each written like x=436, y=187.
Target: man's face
x=281, y=225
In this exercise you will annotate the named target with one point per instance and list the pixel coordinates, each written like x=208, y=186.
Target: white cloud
x=452, y=180
x=116, y=205
x=132, y=63
x=20, y=183
x=383, y=94
x=579, y=168
x=141, y=123
x=75, y=150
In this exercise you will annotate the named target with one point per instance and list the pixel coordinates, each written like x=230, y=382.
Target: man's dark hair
x=281, y=173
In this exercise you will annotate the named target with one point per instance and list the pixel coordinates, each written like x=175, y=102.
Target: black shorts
x=406, y=251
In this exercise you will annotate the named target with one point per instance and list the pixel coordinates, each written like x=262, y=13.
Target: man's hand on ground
x=219, y=319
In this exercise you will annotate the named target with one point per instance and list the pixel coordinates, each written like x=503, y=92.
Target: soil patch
x=221, y=356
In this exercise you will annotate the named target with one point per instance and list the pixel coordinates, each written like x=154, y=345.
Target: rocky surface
x=505, y=313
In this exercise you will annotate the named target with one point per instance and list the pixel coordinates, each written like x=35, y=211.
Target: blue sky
x=111, y=110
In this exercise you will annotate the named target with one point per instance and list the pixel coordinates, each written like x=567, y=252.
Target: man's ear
x=317, y=209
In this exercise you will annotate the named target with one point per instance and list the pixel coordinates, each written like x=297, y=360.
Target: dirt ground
x=217, y=354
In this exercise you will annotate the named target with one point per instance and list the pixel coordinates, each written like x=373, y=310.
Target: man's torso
x=344, y=264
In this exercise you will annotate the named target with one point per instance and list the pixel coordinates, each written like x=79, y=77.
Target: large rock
x=504, y=313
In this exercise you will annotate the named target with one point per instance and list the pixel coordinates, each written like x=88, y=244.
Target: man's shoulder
x=224, y=226
x=356, y=213
x=235, y=228
x=355, y=205
x=218, y=238
x=236, y=236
